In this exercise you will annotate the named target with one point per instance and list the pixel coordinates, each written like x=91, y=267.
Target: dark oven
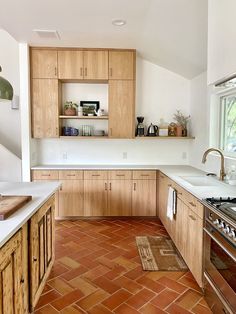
x=219, y=264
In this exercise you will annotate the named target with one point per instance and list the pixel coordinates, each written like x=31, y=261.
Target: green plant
x=181, y=119
x=70, y=105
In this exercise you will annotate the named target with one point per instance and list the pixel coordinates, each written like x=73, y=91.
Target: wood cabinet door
x=163, y=194
x=71, y=198
x=12, y=279
x=96, y=65
x=181, y=231
x=45, y=108
x=43, y=64
x=121, y=109
x=119, y=198
x=42, y=254
x=121, y=65
x=95, y=197
x=144, y=198
x=70, y=64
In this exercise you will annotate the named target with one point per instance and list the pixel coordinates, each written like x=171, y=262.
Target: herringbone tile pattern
x=98, y=271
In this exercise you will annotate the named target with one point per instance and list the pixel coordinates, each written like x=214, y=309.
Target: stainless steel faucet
x=222, y=168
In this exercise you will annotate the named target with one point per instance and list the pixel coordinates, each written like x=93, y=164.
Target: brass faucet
x=222, y=168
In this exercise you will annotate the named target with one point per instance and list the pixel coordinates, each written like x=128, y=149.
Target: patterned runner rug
x=159, y=253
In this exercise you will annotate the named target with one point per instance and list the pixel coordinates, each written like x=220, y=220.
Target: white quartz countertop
x=40, y=193
x=174, y=172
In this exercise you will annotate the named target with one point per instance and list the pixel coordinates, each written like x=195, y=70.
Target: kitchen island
x=27, y=246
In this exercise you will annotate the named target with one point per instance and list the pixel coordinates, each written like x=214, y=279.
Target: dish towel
x=171, y=203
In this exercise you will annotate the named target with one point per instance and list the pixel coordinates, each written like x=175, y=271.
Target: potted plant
x=70, y=108
x=182, y=121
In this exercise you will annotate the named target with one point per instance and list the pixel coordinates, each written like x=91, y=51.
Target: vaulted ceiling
x=170, y=33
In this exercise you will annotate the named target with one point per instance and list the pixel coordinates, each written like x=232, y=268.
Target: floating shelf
x=85, y=117
x=84, y=137
x=165, y=137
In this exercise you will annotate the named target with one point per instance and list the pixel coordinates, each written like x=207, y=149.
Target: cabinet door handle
x=110, y=72
x=105, y=186
x=193, y=218
x=111, y=131
x=169, y=185
x=22, y=280
x=179, y=193
x=61, y=188
x=35, y=259
x=110, y=186
x=192, y=204
x=134, y=186
x=85, y=72
x=81, y=71
x=55, y=71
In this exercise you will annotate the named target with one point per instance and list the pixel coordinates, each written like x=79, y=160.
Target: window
x=228, y=123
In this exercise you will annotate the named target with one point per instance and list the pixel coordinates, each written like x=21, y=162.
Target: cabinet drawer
x=71, y=175
x=144, y=175
x=120, y=175
x=45, y=175
x=195, y=205
x=96, y=175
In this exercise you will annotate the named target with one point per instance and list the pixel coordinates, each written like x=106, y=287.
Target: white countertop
x=174, y=172
x=40, y=193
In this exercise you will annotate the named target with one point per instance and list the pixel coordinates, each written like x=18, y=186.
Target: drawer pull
x=144, y=175
x=180, y=193
x=134, y=186
x=70, y=175
x=169, y=185
x=110, y=186
x=46, y=175
x=193, y=218
x=192, y=204
x=120, y=175
x=35, y=259
x=96, y=175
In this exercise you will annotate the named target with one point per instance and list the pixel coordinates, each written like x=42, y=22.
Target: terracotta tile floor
x=98, y=270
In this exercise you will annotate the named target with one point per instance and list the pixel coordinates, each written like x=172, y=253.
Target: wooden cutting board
x=10, y=204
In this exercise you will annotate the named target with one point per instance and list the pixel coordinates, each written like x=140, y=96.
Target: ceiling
x=170, y=33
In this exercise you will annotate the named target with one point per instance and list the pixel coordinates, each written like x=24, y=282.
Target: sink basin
x=199, y=181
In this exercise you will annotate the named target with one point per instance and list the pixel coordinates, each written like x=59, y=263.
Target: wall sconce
x=6, y=90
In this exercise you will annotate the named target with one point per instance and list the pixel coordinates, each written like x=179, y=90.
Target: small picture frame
x=89, y=107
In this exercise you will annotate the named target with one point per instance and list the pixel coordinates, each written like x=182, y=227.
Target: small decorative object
x=70, y=108
x=80, y=111
x=182, y=121
x=100, y=112
x=152, y=130
x=74, y=132
x=172, y=129
x=87, y=130
x=89, y=107
x=140, y=127
x=6, y=90
x=163, y=128
x=66, y=131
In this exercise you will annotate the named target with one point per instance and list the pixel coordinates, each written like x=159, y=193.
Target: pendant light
x=6, y=90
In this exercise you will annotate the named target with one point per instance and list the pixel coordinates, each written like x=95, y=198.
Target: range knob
x=228, y=230
x=233, y=234
x=223, y=225
x=217, y=222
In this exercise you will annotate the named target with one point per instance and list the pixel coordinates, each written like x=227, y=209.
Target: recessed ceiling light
x=47, y=33
x=119, y=22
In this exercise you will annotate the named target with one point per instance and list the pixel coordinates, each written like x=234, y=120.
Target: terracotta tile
x=128, y=284
x=57, y=270
x=156, y=275
x=125, y=263
x=106, y=262
x=69, y=262
x=151, y=284
x=188, y=299
x=47, y=288
x=140, y=298
x=200, y=309
x=83, y=284
x=176, y=309
x=125, y=309
x=116, y=299
x=48, y=298
x=203, y=302
x=172, y=284
x=88, y=262
x=106, y=284
x=67, y=299
x=60, y=285
x=48, y=309
x=74, y=273
x=190, y=283
x=96, y=272
x=92, y=299
x=115, y=272
x=72, y=309
x=151, y=309
x=164, y=299
x=99, y=309
x=135, y=273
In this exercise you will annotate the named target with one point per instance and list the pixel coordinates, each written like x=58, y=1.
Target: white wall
x=159, y=93
x=221, y=39
x=10, y=119
x=10, y=166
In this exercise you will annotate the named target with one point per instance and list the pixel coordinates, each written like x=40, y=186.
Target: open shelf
x=85, y=117
x=84, y=137
x=164, y=137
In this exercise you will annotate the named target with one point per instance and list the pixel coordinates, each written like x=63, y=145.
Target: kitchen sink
x=199, y=180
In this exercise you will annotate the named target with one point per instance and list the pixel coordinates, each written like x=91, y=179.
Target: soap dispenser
x=232, y=176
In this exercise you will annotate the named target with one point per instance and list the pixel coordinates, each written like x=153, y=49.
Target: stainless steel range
x=220, y=254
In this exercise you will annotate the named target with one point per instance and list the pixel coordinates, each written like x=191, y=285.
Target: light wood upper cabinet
x=71, y=198
x=121, y=109
x=44, y=64
x=45, y=108
x=14, y=281
x=144, y=198
x=95, y=197
x=70, y=64
x=121, y=65
x=119, y=198
x=42, y=249
x=96, y=65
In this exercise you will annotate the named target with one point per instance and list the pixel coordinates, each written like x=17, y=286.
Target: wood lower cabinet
x=121, y=65
x=45, y=108
x=162, y=197
x=121, y=109
x=43, y=63
x=119, y=198
x=41, y=243
x=143, y=198
x=95, y=197
x=14, y=274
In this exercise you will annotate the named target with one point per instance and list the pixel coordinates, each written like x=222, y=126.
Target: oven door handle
x=220, y=244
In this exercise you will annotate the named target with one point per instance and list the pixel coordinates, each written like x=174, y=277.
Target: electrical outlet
x=125, y=155
x=64, y=156
x=184, y=155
